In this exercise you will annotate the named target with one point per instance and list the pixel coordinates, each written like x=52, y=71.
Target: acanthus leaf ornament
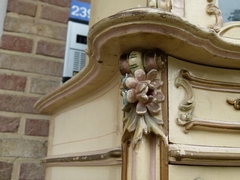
x=141, y=95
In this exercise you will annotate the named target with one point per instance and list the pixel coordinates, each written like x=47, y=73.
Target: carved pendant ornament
x=141, y=94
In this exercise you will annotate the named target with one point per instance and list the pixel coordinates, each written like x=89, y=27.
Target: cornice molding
x=140, y=28
x=148, y=28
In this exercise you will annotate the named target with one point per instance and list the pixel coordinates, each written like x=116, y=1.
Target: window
x=230, y=10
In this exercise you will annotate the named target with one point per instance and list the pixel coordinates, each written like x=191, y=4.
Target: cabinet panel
x=91, y=123
x=86, y=173
x=198, y=111
x=177, y=172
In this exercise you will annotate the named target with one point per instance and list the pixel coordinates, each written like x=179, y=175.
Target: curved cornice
x=140, y=28
x=148, y=28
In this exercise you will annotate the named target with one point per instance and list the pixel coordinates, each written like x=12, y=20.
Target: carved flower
x=143, y=90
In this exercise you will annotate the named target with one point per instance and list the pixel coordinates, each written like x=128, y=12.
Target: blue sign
x=80, y=10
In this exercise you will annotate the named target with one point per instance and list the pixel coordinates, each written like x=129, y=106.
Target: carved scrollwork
x=189, y=102
x=187, y=106
x=141, y=94
x=212, y=9
x=186, y=118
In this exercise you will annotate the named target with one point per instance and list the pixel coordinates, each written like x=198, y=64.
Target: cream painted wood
x=85, y=173
x=209, y=105
x=230, y=32
x=185, y=154
x=91, y=123
x=177, y=172
x=99, y=10
x=195, y=12
x=144, y=160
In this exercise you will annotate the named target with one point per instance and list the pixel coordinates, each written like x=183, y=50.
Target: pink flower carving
x=143, y=90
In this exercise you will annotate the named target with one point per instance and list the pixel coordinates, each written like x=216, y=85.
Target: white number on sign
x=80, y=11
x=88, y=12
x=75, y=10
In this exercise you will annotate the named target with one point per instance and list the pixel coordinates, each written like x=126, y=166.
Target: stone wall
x=31, y=63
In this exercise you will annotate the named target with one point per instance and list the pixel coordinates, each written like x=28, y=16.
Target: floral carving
x=143, y=90
x=141, y=97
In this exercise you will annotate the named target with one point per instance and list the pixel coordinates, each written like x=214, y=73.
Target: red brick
x=64, y=3
x=31, y=26
x=6, y=170
x=16, y=103
x=51, y=49
x=55, y=14
x=36, y=127
x=9, y=124
x=16, y=43
x=12, y=82
x=32, y=171
x=29, y=64
x=22, y=7
x=43, y=86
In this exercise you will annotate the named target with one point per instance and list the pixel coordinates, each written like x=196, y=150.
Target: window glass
x=230, y=10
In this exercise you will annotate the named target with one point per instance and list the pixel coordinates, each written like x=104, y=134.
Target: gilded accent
x=209, y=84
x=212, y=9
x=94, y=157
x=141, y=95
x=235, y=103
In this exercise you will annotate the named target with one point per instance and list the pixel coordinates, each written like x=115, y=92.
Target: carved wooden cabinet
x=159, y=99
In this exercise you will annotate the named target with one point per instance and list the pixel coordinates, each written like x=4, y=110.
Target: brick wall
x=31, y=63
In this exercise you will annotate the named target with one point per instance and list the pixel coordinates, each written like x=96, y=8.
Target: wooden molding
x=210, y=85
x=111, y=157
x=207, y=156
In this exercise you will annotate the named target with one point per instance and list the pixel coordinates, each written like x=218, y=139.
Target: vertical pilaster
x=144, y=138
